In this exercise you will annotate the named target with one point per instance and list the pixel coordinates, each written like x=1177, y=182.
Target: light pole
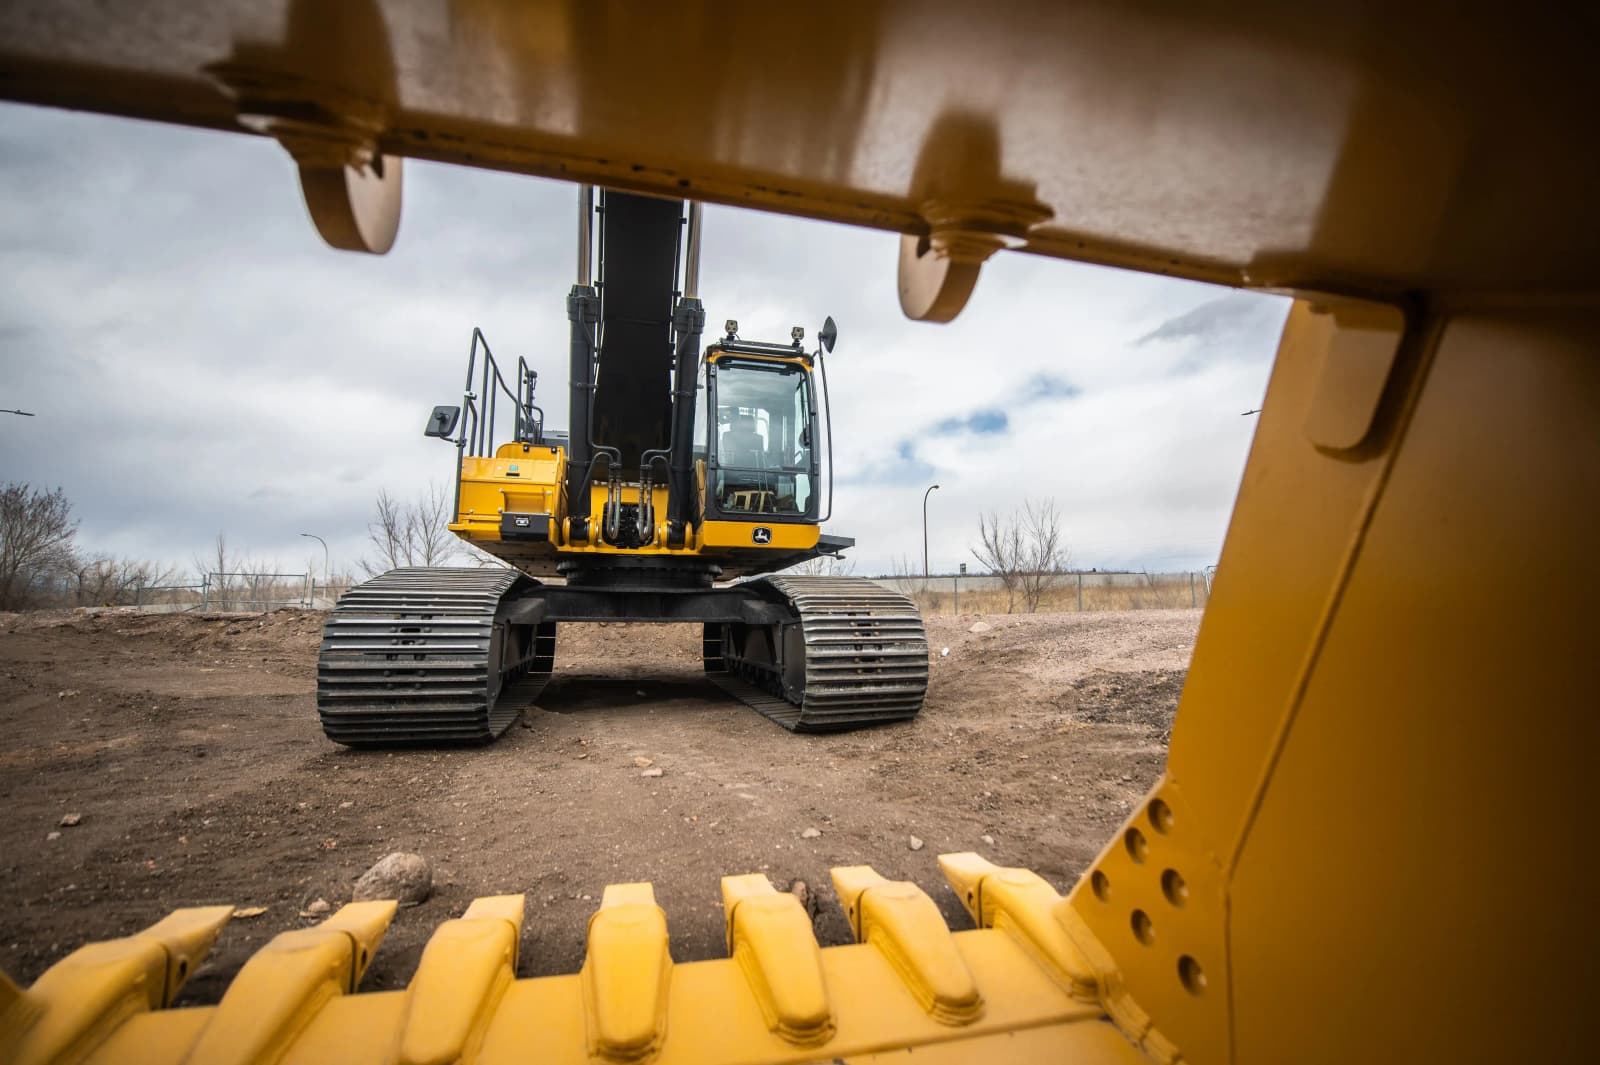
x=325, y=574
x=925, y=496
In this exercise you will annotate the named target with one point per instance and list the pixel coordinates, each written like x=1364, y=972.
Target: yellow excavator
x=1371, y=840
x=680, y=469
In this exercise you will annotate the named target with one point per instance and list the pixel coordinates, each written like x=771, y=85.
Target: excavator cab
x=761, y=458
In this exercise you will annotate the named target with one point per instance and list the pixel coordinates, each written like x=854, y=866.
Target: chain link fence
x=239, y=591
x=986, y=593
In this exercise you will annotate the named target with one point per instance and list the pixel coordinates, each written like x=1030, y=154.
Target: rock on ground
x=808, y=901
x=406, y=878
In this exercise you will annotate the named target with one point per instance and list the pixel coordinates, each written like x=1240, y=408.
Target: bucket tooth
x=771, y=937
x=1021, y=903
x=626, y=975
x=78, y=1001
x=905, y=925
x=465, y=970
x=280, y=990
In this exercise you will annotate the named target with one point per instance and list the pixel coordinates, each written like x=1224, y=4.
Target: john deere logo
x=761, y=534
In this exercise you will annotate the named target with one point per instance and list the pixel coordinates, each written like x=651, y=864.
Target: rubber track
x=406, y=660
x=866, y=657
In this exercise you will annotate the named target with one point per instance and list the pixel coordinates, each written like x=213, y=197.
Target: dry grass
x=1098, y=594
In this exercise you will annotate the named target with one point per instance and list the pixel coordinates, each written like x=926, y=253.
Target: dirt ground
x=189, y=748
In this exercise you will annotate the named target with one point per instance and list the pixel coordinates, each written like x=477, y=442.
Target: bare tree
x=259, y=584
x=411, y=534
x=433, y=512
x=36, y=534
x=1046, y=556
x=1000, y=550
x=1026, y=550
x=221, y=565
x=111, y=581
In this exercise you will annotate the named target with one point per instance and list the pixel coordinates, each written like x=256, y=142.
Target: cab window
x=762, y=439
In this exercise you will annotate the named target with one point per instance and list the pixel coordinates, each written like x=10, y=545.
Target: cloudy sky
x=199, y=362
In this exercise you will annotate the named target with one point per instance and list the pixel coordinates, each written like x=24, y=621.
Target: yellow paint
x=84, y=999
x=800, y=359
x=465, y=970
x=899, y=919
x=778, y=997
x=770, y=936
x=488, y=488
x=740, y=534
x=626, y=975
x=288, y=982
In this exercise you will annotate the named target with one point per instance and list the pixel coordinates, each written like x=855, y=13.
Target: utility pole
x=325, y=574
x=925, y=496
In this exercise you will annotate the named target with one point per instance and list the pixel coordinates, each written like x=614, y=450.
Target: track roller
x=853, y=654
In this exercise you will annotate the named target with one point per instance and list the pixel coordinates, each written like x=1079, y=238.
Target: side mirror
x=442, y=422
x=828, y=334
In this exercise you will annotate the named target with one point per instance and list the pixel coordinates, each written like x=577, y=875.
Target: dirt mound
x=279, y=630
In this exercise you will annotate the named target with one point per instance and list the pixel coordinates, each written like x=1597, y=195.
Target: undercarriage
x=426, y=656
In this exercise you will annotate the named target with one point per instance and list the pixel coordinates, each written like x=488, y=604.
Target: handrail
x=480, y=409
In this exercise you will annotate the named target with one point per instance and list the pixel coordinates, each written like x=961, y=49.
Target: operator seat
x=742, y=446
x=743, y=455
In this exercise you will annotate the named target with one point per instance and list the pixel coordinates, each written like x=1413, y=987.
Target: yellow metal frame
x=520, y=478
x=532, y=480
